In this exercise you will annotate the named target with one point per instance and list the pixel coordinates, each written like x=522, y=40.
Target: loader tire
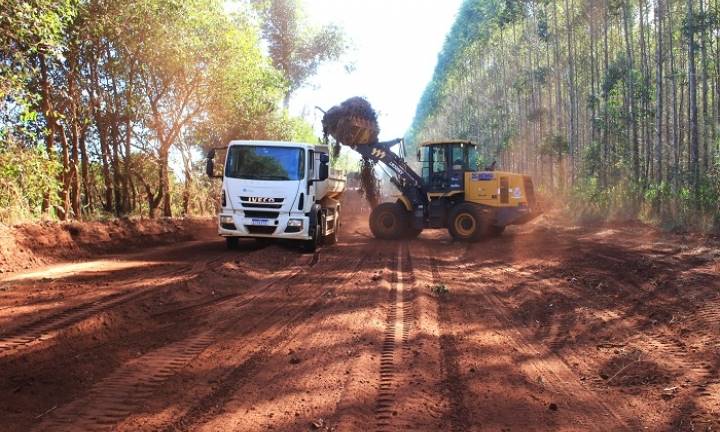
x=389, y=221
x=466, y=223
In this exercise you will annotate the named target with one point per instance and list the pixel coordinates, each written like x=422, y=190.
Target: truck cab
x=278, y=190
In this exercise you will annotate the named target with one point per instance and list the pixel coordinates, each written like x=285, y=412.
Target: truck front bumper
x=293, y=226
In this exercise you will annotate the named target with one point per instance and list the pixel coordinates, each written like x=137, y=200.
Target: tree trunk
x=692, y=105
x=632, y=116
x=164, y=176
x=658, y=92
x=48, y=111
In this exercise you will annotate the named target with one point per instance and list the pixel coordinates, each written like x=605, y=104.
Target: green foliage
x=296, y=48
x=439, y=289
x=26, y=175
x=127, y=81
x=551, y=89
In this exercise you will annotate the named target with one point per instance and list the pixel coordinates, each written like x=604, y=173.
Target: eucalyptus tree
x=297, y=48
x=635, y=138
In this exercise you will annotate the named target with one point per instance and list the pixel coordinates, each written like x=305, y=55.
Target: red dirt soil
x=549, y=327
x=28, y=245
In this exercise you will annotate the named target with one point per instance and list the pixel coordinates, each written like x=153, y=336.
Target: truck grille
x=261, y=214
x=267, y=230
x=262, y=206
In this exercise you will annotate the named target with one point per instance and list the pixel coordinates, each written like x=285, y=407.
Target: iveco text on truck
x=278, y=190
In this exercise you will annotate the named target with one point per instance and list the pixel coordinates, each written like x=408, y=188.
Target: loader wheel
x=388, y=221
x=466, y=223
x=410, y=232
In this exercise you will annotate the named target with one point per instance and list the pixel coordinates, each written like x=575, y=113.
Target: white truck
x=278, y=190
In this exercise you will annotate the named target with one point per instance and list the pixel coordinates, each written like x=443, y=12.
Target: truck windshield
x=265, y=163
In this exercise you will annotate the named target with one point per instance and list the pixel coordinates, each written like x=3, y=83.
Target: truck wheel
x=312, y=244
x=331, y=239
x=389, y=221
x=232, y=242
x=466, y=223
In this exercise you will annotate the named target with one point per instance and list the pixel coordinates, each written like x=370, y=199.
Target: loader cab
x=445, y=163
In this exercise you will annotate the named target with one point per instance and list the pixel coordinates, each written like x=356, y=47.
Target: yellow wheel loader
x=449, y=193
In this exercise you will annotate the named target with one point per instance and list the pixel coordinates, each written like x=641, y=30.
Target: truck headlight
x=226, y=220
x=295, y=223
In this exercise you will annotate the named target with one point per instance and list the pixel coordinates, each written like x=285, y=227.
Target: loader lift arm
x=405, y=178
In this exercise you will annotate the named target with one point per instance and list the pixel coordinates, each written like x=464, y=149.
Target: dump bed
x=333, y=187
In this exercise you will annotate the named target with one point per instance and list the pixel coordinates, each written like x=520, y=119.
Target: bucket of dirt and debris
x=352, y=123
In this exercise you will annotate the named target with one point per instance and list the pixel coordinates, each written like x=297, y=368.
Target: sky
x=395, y=45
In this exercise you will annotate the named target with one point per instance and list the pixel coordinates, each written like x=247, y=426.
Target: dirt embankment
x=29, y=245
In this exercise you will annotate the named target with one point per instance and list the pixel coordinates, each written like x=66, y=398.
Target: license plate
x=260, y=221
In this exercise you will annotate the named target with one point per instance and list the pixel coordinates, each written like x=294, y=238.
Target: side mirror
x=210, y=167
x=324, y=158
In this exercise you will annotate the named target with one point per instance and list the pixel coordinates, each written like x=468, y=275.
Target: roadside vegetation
x=104, y=103
x=613, y=106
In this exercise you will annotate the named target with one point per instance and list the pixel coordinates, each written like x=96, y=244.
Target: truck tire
x=466, y=223
x=389, y=221
x=331, y=239
x=232, y=242
x=312, y=244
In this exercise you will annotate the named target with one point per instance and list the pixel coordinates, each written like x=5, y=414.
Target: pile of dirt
x=28, y=245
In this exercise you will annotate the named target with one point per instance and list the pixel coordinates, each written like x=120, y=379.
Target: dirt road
x=546, y=328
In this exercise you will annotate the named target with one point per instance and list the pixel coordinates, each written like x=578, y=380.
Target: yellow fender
x=406, y=202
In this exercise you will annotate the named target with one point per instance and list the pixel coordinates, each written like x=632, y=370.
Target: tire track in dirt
x=407, y=397
x=123, y=391
x=48, y=326
x=419, y=404
x=318, y=377
x=356, y=405
x=541, y=369
x=682, y=362
x=273, y=338
x=453, y=384
x=389, y=358
x=557, y=374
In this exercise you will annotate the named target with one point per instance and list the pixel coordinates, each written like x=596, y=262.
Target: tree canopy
x=296, y=48
x=97, y=97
